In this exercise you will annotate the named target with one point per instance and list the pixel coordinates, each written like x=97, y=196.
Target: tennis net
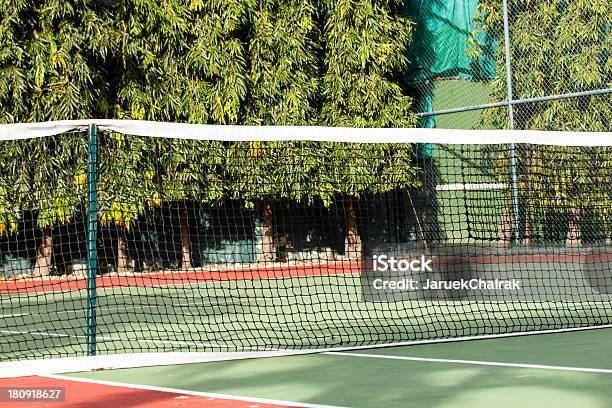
x=125, y=237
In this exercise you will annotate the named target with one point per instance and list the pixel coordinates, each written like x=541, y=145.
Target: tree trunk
x=352, y=241
x=42, y=267
x=122, y=258
x=528, y=217
x=528, y=224
x=185, y=246
x=267, y=244
x=573, y=230
x=505, y=229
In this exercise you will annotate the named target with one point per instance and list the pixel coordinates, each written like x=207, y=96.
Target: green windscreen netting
x=448, y=42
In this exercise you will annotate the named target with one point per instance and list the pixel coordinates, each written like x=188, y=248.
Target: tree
x=216, y=61
x=126, y=177
x=45, y=177
x=46, y=62
x=556, y=47
x=288, y=49
x=138, y=41
x=283, y=54
x=187, y=170
x=262, y=172
x=46, y=73
x=170, y=61
x=221, y=61
x=12, y=182
x=365, y=52
x=284, y=63
x=348, y=170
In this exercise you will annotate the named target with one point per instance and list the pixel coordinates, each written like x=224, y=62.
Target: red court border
x=177, y=277
x=80, y=394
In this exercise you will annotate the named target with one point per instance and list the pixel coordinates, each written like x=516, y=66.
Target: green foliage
x=144, y=45
x=570, y=177
x=556, y=47
x=351, y=169
x=359, y=49
x=13, y=184
x=365, y=47
x=259, y=170
x=305, y=171
x=216, y=61
x=46, y=62
x=186, y=169
x=169, y=61
x=47, y=72
x=46, y=176
x=272, y=62
x=365, y=50
x=125, y=179
x=175, y=61
x=284, y=49
x=56, y=168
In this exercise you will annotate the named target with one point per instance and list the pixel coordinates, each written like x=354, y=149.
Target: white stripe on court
x=473, y=362
x=130, y=360
x=194, y=393
x=116, y=338
x=105, y=309
x=158, y=306
x=60, y=365
x=38, y=333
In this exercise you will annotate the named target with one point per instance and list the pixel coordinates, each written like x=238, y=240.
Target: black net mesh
x=205, y=245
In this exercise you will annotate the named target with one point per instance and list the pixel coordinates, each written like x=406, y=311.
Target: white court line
x=83, y=310
x=99, y=309
x=37, y=333
x=113, y=308
x=116, y=338
x=189, y=392
x=473, y=362
x=61, y=365
x=158, y=306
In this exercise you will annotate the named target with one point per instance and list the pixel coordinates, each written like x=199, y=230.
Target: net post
x=92, y=255
x=513, y=164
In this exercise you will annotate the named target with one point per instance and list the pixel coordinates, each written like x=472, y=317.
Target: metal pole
x=515, y=102
x=92, y=255
x=515, y=192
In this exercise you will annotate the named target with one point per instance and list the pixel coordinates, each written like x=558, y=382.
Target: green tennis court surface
x=560, y=370
x=238, y=315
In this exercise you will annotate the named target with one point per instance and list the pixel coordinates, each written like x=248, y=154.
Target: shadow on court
x=383, y=379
